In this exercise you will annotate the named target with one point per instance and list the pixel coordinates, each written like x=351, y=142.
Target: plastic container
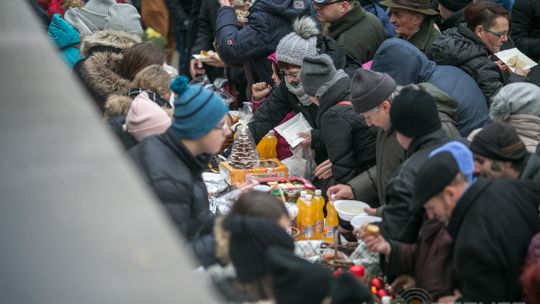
x=347, y=209
x=330, y=223
x=267, y=146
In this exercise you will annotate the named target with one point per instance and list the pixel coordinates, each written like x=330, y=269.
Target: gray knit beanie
x=369, y=89
x=125, y=18
x=300, y=43
x=91, y=17
x=315, y=72
x=515, y=98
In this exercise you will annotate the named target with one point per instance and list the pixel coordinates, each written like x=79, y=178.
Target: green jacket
x=423, y=39
x=359, y=33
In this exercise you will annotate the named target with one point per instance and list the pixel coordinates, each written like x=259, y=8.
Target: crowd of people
x=411, y=111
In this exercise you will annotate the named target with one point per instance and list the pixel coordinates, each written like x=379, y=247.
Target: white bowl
x=347, y=209
x=262, y=188
x=359, y=220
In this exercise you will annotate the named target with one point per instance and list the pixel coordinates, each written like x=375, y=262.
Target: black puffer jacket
x=349, y=142
x=526, y=27
x=460, y=47
x=531, y=171
x=175, y=176
x=401, y=217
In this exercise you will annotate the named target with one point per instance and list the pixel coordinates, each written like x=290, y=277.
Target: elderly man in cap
x=413, y=20
x=491, y=222
x=500, y=153
x=358, y=32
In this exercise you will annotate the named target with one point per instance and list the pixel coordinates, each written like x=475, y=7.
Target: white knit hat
x=300, y=43
x=91, y=17
x=146, y=118
x=125, y=18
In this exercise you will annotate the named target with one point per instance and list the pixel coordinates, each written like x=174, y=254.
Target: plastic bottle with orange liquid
x=267, y=146
x=318, y=202
x=331, y=222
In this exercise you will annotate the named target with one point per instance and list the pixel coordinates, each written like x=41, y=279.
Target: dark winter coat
x=175, y=175
x=461, y=47
x=472, y=112
x=179, y=11
x=492, y=225
x=102, y=54
x=359, y=33
x=349, y=142
x=457, y=18
x=281, y=102
x=526, y=27
x=401, y=218
x=268, y=22
x=531, y=171
x=423, y=39
x=429, y=260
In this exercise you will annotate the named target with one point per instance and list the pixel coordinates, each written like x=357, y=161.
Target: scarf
x=298, y=91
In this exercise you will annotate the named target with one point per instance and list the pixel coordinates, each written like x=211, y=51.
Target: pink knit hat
x=146, y=118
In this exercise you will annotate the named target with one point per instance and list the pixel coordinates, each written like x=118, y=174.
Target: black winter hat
x=436, y=173
x=414, y=113
x=250, y=239
x=348, y=290
x=455, y=5
x=369, y=89
x=499, y=141
x=295, y=280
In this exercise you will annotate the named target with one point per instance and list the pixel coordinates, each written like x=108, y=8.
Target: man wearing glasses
x=358, y=32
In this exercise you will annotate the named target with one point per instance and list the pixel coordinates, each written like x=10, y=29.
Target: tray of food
x=205, y=56
x=288, y=183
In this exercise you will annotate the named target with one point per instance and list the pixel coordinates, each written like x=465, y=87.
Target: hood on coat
x=389, y=59
x=527, y=127
x=445, y=104
x=98, y=73
x=515, y=98
x=287, y=9
x=117, y=105
x=223, y=238
x=62, y=33
x=108, y=38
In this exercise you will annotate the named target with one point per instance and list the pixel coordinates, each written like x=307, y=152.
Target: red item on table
x=377, y=283
x=357, y=271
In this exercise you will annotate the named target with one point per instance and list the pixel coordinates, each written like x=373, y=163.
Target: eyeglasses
x=223, y=127
x=499, y=35
x=290, y=74
x=323, y=4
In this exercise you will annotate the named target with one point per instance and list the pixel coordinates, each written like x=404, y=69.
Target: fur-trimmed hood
x=222, y=238
x=108, y=38
x=99, y=75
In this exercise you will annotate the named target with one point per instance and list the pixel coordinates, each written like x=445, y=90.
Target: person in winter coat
x=66, y=38
x=518, y=104
x=526, y=27
x=500, y=153
x=471, y=45
x=349, y=142
x=146, y=118
x=206, y=33
x=110, y=69
x=154, y=82
x=452, y=13
x=472, y=105
x=269, y=21
x=368, y=89
x=289, y=96
x=491, y=223
x=358, y=32
x=102, y=54
x=413, y=21
x=172, y=163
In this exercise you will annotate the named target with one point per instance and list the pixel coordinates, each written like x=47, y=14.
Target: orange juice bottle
x=331, y=222
x=300, y=204
x=308, y=218
x=318, y=202
x=267, y=146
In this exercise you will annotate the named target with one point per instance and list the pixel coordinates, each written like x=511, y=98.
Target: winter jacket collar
x=100, y=73
x=196, y=164
x=453, y=21
x=467, y=34
x=429, y=140
x=389, y=59
x=430, y=228
x=339, y=91
x=467, y=200
x=425, y=35
x=532, y=168
x=350, y=19
x=446, y=105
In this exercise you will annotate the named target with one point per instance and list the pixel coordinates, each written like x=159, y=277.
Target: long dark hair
x=138, y=57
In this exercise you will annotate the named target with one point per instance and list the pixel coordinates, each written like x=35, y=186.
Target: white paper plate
x=342, y=206
x=359, y=220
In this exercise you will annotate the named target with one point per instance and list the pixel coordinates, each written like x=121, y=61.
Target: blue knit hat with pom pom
x=196, y=110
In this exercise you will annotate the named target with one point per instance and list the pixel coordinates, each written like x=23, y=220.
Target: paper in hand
x=291, y=127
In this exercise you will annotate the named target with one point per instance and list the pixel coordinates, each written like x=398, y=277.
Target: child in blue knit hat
x=172, y=163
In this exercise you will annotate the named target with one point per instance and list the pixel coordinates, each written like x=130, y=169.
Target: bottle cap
x=271, y=133
x=318, y=192
x=309, y=197
x=303, y=193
